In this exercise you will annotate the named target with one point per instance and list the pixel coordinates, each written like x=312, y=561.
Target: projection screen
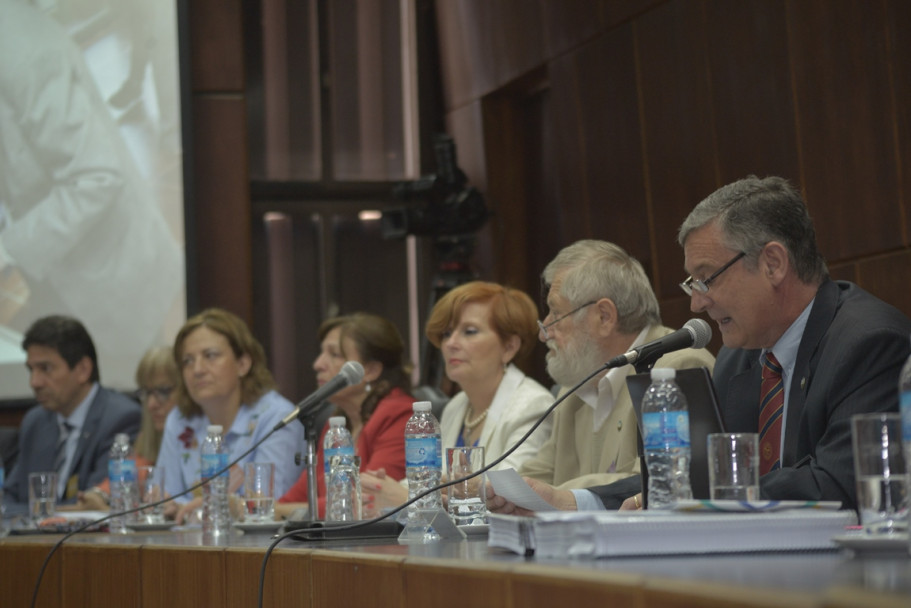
x=91, y=191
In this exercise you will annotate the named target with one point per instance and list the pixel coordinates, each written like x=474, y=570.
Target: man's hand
x=564, y=500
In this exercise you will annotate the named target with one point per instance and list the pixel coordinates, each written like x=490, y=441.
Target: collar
x=600, y=394
x=785, y=349
x=77, y=419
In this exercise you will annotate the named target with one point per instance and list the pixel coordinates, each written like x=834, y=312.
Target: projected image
x=91, y=197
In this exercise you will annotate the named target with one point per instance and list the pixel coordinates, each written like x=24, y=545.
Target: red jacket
x=380, y=444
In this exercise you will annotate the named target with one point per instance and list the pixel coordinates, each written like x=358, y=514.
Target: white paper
x=510, y=485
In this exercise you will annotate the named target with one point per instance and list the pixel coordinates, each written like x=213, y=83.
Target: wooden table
x=174, y=569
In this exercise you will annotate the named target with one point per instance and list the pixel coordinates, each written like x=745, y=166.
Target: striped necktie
x=771, y=405
x=60, y=450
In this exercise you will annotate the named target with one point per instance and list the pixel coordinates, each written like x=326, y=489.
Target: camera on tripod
x=448, y=205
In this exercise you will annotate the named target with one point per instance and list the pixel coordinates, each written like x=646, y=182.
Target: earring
x=368, y=387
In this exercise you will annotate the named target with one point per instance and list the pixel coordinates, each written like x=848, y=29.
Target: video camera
x=450, y=208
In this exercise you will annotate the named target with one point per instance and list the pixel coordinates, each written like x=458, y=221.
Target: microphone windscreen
x=701, y=331
x=352, y=371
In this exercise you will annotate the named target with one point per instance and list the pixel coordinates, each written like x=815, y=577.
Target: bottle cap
x=214, y=428
x=421, y=406
x=121, y=438
x=663, y=373
x=337, y=421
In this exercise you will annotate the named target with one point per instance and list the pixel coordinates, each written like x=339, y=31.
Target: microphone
x=695, y=334
x=352, y=372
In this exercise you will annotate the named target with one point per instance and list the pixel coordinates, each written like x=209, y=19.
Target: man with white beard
x=601, y=305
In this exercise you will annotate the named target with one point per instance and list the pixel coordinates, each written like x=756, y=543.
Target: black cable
x=367, y=522
x=139, y=508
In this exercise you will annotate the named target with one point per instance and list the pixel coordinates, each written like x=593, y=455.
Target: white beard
x=580, y=358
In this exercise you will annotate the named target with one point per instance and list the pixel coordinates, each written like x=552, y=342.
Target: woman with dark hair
x=376, y=409
x=480, y=329
x=225, y=381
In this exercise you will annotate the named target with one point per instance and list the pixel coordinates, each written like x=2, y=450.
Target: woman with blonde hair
x=157, y=379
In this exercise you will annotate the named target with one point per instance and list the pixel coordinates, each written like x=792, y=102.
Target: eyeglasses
x=543, y=328
x=690, y=284
x=161, y=393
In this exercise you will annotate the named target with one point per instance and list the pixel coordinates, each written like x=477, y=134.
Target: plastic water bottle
x=124, y=488
x=904, y=403
x=423, y=469
x=216, y=516
x=666, y=440
x=343, y=488
x=337, y=442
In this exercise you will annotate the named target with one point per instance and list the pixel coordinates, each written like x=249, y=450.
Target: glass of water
x=466, y=500
x=42, y=495
x=259, y=497
x=881, y=473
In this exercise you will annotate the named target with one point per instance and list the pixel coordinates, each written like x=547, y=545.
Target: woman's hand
x=378, y=491
x=187, y=512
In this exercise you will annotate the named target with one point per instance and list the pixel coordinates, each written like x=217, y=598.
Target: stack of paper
x=606, y=534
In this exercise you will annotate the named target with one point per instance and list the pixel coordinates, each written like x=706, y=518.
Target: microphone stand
x=642, y=366
x=311, y=434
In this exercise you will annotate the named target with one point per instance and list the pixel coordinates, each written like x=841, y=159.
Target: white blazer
x=517, y=405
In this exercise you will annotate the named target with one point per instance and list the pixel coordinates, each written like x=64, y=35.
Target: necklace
x=469, y=423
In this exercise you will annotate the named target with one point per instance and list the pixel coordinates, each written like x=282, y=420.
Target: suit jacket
x=109, y=413
x=849, y=360
x=577, y=455
x=519, y=403
x=380, y=445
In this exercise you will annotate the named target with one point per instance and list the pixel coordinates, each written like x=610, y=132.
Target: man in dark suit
x=73, y=430
x=756, y=271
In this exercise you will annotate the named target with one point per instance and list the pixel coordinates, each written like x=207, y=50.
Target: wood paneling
x=119, y=587
x=20, y=564
x=678, y=123
x=752, y=102
x=217, y=50
x=449, y=584
x=183, y=578
x=845, y=124
x=288, y=580
x=223, y=232
x=340, y=581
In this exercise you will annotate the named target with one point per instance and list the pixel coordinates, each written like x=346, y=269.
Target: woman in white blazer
x=480, y=328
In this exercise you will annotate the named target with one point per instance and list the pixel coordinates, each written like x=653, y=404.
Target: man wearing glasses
x=601, y=305
x=837, y=349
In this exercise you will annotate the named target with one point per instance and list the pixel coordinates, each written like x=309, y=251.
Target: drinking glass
x=151, y=489
x=880, y=472
x=42, y=495
x=733, y=466
x=259, y=497
x=466, y=500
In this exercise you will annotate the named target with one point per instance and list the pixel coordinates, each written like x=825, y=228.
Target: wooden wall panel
x=752, y=99
x=121, y=586
x=569, y=24
x=223, y=232
x=845, y=124
x=887, y=277
x=192, y=579
x=679, y=131
x=20, y=567
x=288, y=580
x=427, y=583
x=898, y=19
x=343, y=579
x=217, y=50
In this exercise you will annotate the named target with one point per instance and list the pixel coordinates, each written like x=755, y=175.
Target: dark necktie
x=771, y=406
x=60, y=450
